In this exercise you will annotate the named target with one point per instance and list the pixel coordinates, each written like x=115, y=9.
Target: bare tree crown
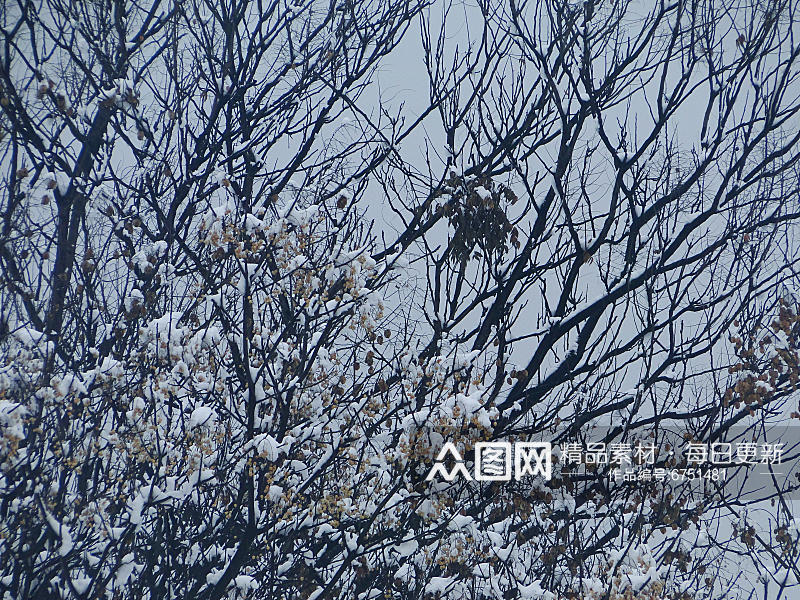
x=247, y=294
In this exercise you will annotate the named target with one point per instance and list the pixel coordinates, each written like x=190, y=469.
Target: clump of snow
x=135, y=298
x=483, y=193
x=202, y=415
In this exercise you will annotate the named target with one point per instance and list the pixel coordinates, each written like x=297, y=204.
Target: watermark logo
x=442, y=471
x=497, y=461
x=622, y=461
